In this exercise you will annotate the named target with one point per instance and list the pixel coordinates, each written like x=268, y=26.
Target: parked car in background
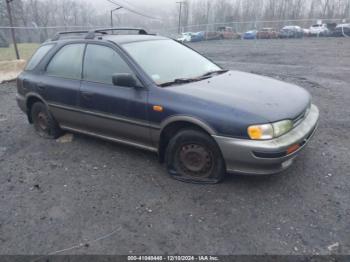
x=291, y=31
x=267, y=33
x=213, y=35
x=185, y=37
x=227, y=32
x=197, y=37
x=306, y=32
x=319, y=30
x=342, y=30
x=251, y=34
x=331, y=28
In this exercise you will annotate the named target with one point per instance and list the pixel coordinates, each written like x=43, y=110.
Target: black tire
x=193, y=156
x=44, y=123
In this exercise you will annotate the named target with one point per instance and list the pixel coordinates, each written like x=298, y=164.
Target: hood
x=269, y=99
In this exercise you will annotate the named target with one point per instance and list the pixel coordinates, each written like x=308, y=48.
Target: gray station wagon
x=154, y=93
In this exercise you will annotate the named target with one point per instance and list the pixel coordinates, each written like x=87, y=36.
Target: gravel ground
x=93, y=197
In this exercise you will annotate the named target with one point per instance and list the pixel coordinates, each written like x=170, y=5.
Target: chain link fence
x=274, y=29
x=28, y=38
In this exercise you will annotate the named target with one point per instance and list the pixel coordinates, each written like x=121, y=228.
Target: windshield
x=167, y=60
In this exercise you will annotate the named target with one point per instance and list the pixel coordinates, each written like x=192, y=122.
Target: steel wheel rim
x=195, y=160
x=42, y=122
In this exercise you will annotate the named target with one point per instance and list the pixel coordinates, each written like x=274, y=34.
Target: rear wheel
x=44, y=123
x=193, y=156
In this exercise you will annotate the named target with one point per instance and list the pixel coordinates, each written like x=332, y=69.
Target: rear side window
x=38, y=55
x=101, y=62
x=67, y=63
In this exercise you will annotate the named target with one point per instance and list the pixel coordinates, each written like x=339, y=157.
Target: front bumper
x=268, y=156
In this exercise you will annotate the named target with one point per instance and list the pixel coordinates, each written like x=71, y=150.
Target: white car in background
x=342, y=30
x=185, y=37
x=319, y=30
x=306, y=31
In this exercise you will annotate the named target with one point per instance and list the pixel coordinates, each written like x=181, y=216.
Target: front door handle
x=87, y=95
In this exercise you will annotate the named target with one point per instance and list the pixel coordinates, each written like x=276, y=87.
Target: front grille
x=301, y=117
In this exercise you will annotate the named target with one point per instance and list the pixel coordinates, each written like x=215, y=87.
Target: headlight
x=282, y=127
x=269, y=131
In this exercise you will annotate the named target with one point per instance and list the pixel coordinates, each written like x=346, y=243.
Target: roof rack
x=91, y=34
x=104, y=31
x=59, y=34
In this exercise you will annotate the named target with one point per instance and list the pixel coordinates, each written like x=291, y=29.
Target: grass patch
x=25, y=51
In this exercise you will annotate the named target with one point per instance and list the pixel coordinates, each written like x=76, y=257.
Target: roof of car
x=343, y=25
x=291, y=27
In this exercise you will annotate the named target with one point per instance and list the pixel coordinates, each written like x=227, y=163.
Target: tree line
x=74, y=13
x=47, y=13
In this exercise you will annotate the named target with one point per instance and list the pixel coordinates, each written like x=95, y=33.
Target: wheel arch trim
x=189, y=119
x=32, y=95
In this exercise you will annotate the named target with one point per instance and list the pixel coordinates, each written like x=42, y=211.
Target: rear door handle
x=41, y=86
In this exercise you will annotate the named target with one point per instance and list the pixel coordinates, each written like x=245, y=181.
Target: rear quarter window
x=38, y=56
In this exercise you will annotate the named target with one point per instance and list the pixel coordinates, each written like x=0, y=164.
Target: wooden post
x=11, y=28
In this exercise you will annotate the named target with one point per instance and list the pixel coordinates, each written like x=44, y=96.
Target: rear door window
x=38, y=56
x=67, y=62
x=101, y=63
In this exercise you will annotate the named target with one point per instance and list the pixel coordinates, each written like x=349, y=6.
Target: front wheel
x=193, y=156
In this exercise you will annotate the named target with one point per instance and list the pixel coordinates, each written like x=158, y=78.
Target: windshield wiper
x=210, y=73
x=180, y=81
x=194, y=79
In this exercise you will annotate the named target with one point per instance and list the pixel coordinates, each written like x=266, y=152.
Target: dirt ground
x=9, y=70
x=88, y=196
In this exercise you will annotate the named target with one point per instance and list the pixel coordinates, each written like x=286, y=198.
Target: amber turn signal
x=158, y=108
x=260, y=132
x=293, y=148
x=255, y=132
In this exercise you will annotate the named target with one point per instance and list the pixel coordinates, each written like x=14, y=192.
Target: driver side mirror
x=125, y=80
